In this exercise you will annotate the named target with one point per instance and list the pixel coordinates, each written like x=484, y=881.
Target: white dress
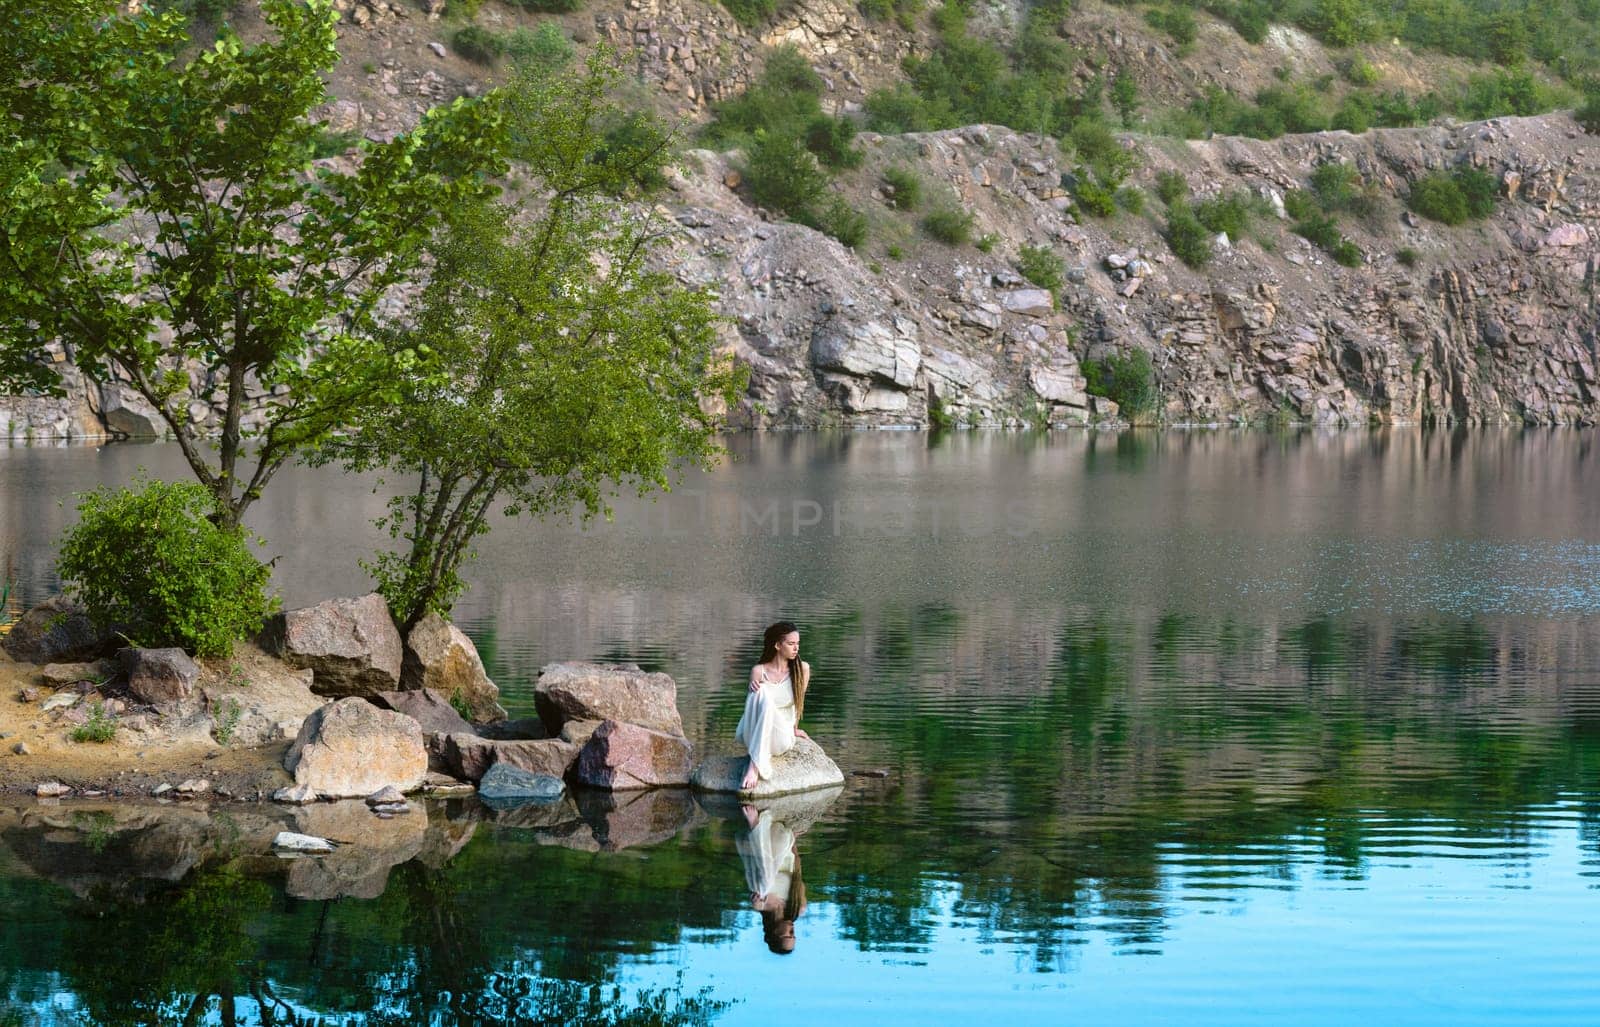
x=767, y=853
x=767, y=727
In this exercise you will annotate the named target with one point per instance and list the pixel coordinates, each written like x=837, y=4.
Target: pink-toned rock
x=350, y=749
x=159, y=676
x=1569, y=234
x=440, y=656
x=468, y=756
x=351, y=645
x=622, y=756
x=598, y=691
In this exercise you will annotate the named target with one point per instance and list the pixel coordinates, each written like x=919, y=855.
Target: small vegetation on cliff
x=1127, y=379
x=100, y=727
x=1454, y=197
x=1587, y=113
x=949, y=224
x=1042, y=266
x=151, y=563
x=1189, y=239
x=905, y=187
x=476, y=43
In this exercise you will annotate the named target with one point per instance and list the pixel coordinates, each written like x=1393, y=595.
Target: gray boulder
x=160, y=677
x=801, y=769
x=350, y=749
x=258, y=700
x=58, y=630
x=351, y=646
x=623, y=757
x=437, y=718
x=440, y=656
x=597, y=691
x=506, y=784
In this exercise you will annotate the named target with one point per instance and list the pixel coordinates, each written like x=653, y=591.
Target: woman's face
x=789, y=646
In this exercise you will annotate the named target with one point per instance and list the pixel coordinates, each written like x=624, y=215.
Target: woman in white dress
x=777, y=699
x=772, y=870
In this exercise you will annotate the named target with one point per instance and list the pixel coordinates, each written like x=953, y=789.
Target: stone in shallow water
x=801, y=769
x=506, y=783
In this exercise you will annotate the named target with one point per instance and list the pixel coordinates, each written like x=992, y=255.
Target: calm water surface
x=1212, y=727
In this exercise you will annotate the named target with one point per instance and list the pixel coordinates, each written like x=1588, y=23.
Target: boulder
x=621, y=757
x=596, y=691
x=521, y=728
x=440, y=656
x=59, y=674
x=350, y=749
x=58, y=630
x=505, y=783
x=801, y=769
x=160, y=677
x=351, y=646
x=468, y=756
x=437, y=718
x=578, y=732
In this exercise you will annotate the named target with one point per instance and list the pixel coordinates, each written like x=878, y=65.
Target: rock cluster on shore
x=405, y=713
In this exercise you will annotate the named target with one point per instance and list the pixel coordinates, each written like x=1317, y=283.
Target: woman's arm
x=755, y=678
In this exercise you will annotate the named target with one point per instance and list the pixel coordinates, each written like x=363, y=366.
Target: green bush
x=1189, y=239
x=1094, y=197
x=100, y=727
x=844, y=223
x=783, y=175
x=1479, y=189
x=1407, y=256
x=550, y=6
x=331, y=144
x=544, y=49
x=476, y=43
x=1320, y=229
x=1335, y=185
x=751, y=13
x=1229, y=213
x=1587, y=113
x=1131, y=199
x=1347, y=253
x=902, y=12
x=1171, y=187
x=1041, y=266
x=150, y=563
x=949, y=224
x=987, y=242
x=1127, y=379
x=1436, y=196
x=638, y=146
x=1358, y=72
x=905, y=188
x=1300, y=205
x=830, y=138
x=1176, y=21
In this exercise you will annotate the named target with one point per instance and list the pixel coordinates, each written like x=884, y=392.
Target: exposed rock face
x=469, y=757
x=351, y=645
x=595, y=691
x=57, y=631
x=440, y=656
x=802, y=769
x=623, y=757
x=350, y=749
x=159, y=677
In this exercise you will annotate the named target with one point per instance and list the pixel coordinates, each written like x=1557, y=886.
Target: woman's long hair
x=769, y=648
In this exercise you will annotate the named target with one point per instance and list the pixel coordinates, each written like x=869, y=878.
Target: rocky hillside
x=1488, y=322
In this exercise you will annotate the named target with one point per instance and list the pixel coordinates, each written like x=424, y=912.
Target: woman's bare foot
x=750, y=779
x=800, y=734
x=751, y=814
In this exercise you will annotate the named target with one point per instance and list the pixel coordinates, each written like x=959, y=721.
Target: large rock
x=504, y=783
x=440, y=656
x=801, y=769
x=350, y=645
x=350, y=749
x=160, y=677
x=468, y=756
x=622, y=757
x=58, y=630
x=437, y=718
x=597, y=691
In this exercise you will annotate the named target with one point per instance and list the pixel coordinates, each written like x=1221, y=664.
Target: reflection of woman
x=776, y=701
x=772, y=870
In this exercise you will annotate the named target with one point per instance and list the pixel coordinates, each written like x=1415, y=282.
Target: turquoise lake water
x=1203, y=727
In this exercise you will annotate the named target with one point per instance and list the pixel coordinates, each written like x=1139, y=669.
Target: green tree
x=556, y=364
x=163, y=218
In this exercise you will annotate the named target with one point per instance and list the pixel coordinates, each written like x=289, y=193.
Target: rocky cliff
x=1493, y=322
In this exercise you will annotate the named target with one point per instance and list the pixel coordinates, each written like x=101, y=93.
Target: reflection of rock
x=369, y=847
x=595, y=691
x=798, y=810
x=560, y=817
x=803, y=768
x=351, y=645
x=623, y=820
x=623, y=757
x=446, y=836
x=350, y=749
x=440, y=656
x=57, y=631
